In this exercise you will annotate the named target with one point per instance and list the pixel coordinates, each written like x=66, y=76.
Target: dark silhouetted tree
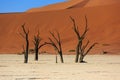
x=56, y=43
x=81, y=51
x=37, y=45
x=56, y=59
x=25, y=35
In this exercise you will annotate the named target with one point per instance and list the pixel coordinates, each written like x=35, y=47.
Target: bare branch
x=53, y=44
x=42, y=45
x=84, y=47
x=22, y=35
x=56, y=43
x=90, y=48
x=23, y=27
x=37, y=39
x=59, y=41
x=24, y=30
x=86, y=28
x=74, y=23
x=80, y=49
x=25, y=36
x=54, y=37
x=75, y=28
x=58, y=37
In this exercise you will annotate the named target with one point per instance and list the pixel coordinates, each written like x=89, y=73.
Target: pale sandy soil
x=103, y=24
x=99, y=67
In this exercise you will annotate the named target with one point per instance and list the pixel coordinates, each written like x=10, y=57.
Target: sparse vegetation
x=105, y=52
x=56, y=59
x=71, y=51
x=37, y=45
x=81, y=51
x=56, y=43
x=25, y=35
x=36, y=42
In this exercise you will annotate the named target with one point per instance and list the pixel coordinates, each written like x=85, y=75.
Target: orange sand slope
x=103, y=21
x=57, y=6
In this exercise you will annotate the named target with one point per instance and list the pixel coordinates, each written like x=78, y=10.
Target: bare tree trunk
x=36, y=54
x=36, y=42
x=25, y=35
x=80, y=49
x=27, y=50
x=61, y=57
x=77, y=53
x=81, y=59
x=56, y=43
x=56, y=59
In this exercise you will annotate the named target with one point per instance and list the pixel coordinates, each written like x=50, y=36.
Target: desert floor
x=99, y=67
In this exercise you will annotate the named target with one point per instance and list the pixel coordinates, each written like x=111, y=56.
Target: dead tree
x=25, y=35
x=56, y=59
x=56, y=43
x=36, y=42
x=37, y=45
x=81, y=51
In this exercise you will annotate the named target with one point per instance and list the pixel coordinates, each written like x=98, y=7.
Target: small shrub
x=71, y=51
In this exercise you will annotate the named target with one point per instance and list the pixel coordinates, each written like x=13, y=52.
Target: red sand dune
x=57, y=6
x=74, y=4
x=103, y=21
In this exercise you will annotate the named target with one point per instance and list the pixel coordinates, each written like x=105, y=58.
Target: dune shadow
x=81, y=4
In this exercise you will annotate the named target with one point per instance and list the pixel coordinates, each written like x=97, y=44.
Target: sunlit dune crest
x=75, y=4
